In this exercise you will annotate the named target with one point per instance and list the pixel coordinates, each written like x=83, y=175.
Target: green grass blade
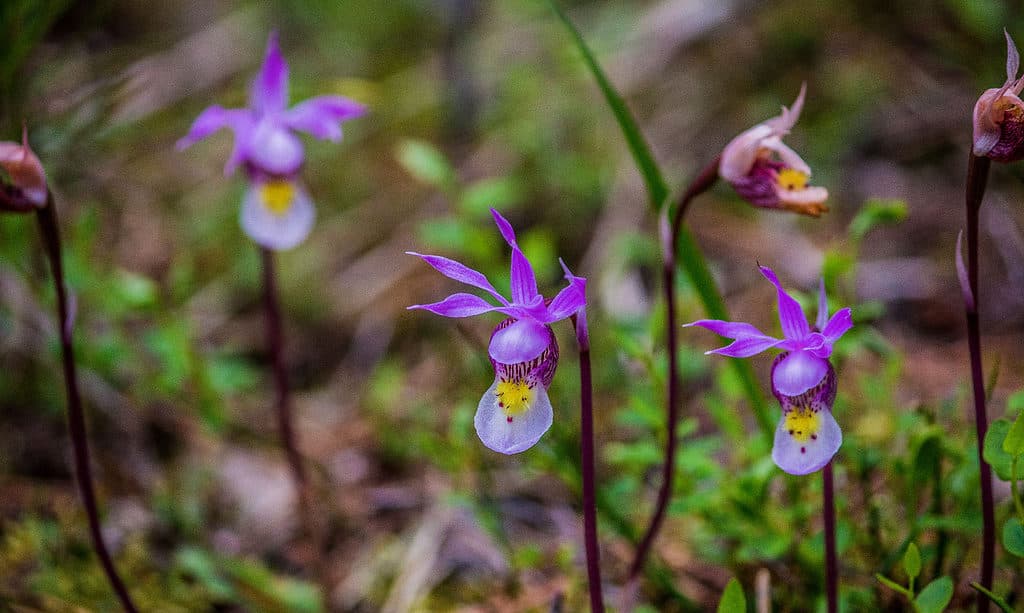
x=657, y=189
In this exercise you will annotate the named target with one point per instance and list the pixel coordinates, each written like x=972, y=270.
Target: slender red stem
x=47, y=218
x=669, y=233
x=589, y=490
x=831, y=562
x=275, y=340
x=977, y=177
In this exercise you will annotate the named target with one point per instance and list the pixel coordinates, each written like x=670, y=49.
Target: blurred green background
x=477, y=105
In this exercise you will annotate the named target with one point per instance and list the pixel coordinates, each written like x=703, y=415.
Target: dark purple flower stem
x=831, y=562
x=977, y=177
x=669, y=233
x=47, y=217
x=587, y=464
x=275, y=340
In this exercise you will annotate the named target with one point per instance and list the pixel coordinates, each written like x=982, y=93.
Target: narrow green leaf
x=733, y=599
x=1013, y=444
x=896, y=587
x=1001, y=603
x=1013, y=537
x=912, y=561
x=657, y=189
x=935, y=596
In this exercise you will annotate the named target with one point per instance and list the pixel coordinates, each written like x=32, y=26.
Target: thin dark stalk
x=831, y=562
x=702, y=183
x=47, y=218
x=977, y=177
x=275, y=340
x=589, y=489
x=942, y=537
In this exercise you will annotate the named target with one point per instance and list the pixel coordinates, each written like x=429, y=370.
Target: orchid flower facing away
x=802, y=377
x=26, y=189
x=276, y=211
x=515, y=411
x=749, y=163
x=999, y=114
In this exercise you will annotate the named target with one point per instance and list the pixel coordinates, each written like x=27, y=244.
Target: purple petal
x=522, y=341
x=791, y=316
x=214, y=118
x=460, y=272
x=320, y=116
x=838, y=325
x=524, y=283
x=822, y=306
x=749, y=340
x=798, y=372
x=458, y=305
x=269, y=93
x=517, y=433
x=801, y=457
x=571, y=299
x=505, y=228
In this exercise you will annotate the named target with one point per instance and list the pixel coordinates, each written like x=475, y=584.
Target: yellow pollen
x=803, y=424
x=514, y=397
x=278, y=196
x=791, y=179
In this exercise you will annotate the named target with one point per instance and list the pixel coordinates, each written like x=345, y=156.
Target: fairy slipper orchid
x=999, y=114
x=24, y=188
x=803, y=379
x=515, y=411
x=276, y=212
x=767, y=173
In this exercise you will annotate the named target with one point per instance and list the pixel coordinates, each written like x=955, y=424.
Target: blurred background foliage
x=477, y=105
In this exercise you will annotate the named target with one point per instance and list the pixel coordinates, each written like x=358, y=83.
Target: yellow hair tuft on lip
x=278, y=196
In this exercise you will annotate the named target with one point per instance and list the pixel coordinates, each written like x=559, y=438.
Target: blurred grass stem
x=977, y=177
x=50, y=230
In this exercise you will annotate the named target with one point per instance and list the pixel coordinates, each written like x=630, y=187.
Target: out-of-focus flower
x=802, y=377
x=25, y=186
x=999, y=114
x=767, y=173
x=277, y=213
x=515, y=411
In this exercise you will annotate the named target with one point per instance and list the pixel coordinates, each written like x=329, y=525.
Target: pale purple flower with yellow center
x=515, y=411
x=999, y=114
x=276, y=210
x=765, y=172
x=802, y=377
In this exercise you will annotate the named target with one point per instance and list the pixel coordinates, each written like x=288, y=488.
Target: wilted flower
x=767, y=173
x=999, y=114
x=515, y=411
x=802, y=378
x=25, y=189
x=276, y=211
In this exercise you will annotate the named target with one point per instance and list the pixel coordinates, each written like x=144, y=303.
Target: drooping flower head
x=767, y=173
x=999, y=114
x=276, y=212
x=24, y=188
x=802, y=377
x=515, y=411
